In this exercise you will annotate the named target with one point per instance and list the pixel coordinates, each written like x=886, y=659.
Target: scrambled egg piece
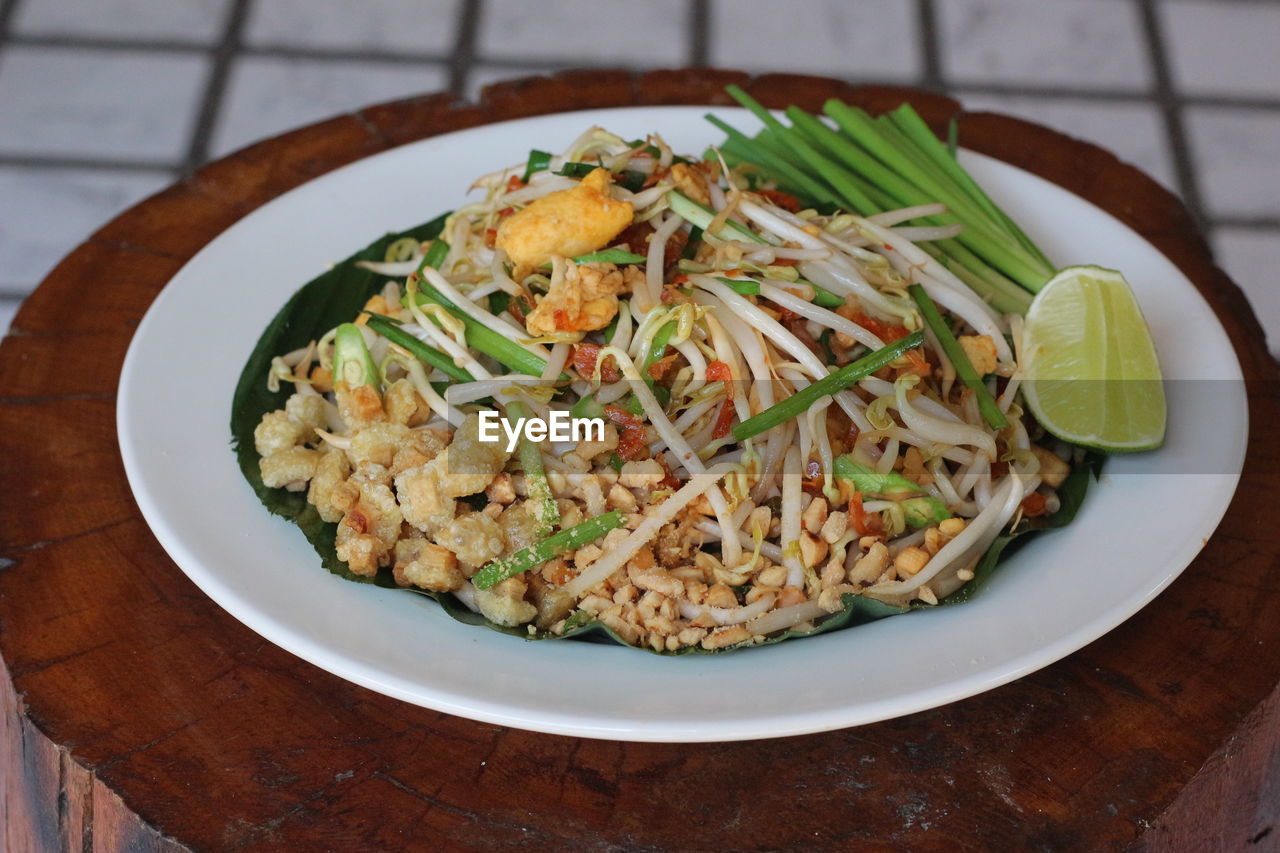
x=584, y=300
x=569, y=222
x=981, y=351
x=690, y=181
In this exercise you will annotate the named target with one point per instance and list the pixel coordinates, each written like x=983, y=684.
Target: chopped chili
x=786, y=201
x=669, y=480
x=864, y=523
x=1033, y=505
x=724, y=420
x=584, y=361
x=632, y=444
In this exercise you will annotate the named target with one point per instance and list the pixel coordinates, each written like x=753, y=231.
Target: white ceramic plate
x=1138, y=529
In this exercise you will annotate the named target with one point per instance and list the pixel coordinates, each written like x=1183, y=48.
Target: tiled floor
x=104, y=101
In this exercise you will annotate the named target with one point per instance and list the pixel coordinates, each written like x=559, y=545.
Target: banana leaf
x=336, y=296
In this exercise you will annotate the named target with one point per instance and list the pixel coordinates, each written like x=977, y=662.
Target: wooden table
x=139, y=716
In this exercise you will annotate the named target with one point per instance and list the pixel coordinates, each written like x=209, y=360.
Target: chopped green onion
x=390, y=329
x=545, y=511
x=745, y=287
x=615, y=462
x=611, y=256
x=435, y=255
x=352, y=363
x=835, y=381
x=577, y=170
x=691, y=247
x=483, y=338
x=548, y=549
x=701, y=216
x=587, y=408
x=824, y=298
x=499, y=302
x=658, y=346
x=538, y=161
x=632, y=180
x=824, y=341
x=964, y=368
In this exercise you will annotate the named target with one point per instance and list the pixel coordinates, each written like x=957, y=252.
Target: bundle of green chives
x=869, y=165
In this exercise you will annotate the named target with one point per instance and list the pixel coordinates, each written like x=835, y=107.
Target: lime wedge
x=1091, y=375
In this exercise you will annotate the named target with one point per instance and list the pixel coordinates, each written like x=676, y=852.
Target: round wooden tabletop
x=140, y=716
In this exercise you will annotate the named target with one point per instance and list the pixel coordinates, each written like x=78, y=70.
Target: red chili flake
x=680, y=279
x=584, y=361
x=864, y=523
x=786, y=201
x=724, y=420
x=718, y=371
x=1033, y=505
x=785, y=262
x=669, y=480
x=490, y=237
x=514, y=183
x=506, y=211
x=884, y=331
x=631, y=436
x=660, y=368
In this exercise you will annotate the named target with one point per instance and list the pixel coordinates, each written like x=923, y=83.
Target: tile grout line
x=58, y=161
x=930, y=55
x=699, y=32
x=1171, y=111
x=463, y=55
x=8, y=8
x=215, y=89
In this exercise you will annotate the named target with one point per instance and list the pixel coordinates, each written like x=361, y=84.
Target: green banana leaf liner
x=338, y=295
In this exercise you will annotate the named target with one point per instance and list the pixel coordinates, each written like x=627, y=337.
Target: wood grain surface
x=139, y=716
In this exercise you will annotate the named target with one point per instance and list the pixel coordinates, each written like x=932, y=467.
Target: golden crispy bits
x=329, y=493
x=474, y=537
x=290, y=468
x=359, y=406
x=422, y=564
x=504, y=603
x=424, y=504
x=369, y=530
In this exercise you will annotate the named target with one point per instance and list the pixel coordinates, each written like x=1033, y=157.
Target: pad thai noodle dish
x=688, y=402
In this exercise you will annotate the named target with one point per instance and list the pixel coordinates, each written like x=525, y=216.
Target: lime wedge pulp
x=1090, y=370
